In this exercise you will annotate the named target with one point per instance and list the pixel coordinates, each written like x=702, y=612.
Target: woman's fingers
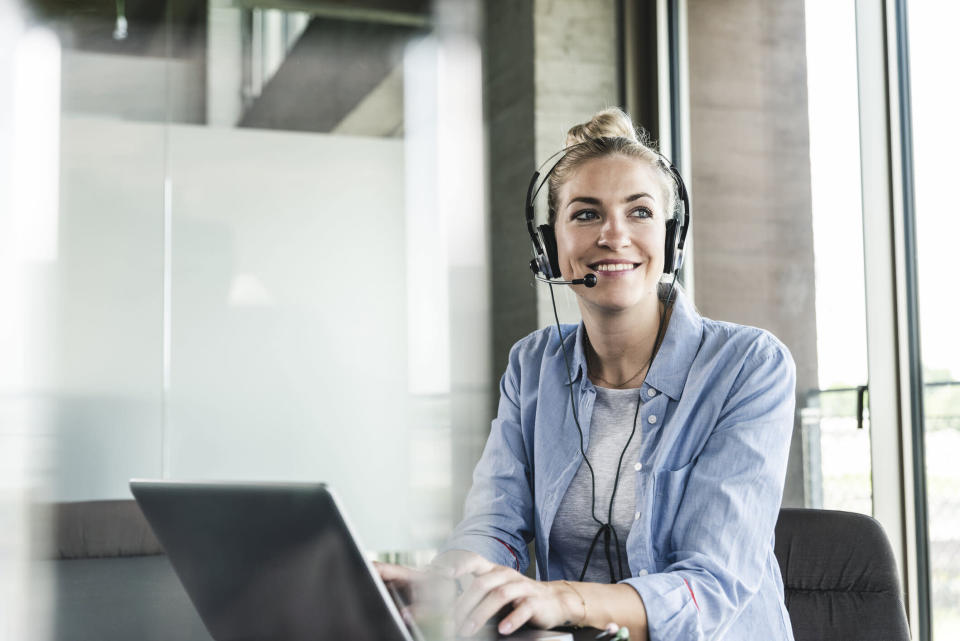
x=417, y=585
x=522, y=613
x=477, y=591
x=495, y=600
x=392, y=572
x=487, y=589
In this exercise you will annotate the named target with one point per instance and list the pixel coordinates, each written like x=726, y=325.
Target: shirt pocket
x=669, y=487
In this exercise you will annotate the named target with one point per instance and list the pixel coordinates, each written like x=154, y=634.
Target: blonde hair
x=609, y=132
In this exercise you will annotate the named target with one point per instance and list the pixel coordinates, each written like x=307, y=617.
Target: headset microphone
x=590, y=280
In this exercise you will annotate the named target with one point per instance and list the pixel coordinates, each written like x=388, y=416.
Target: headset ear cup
x=670, y=247
x=549, y=240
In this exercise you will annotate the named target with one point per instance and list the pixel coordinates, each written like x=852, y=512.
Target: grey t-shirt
x=574, y=527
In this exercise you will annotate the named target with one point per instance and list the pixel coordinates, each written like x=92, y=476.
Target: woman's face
x=610, y=222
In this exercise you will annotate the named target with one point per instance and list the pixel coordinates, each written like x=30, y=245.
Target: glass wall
x=936, y=134
x=29, y=98
x=835, y=418
x=257, y=251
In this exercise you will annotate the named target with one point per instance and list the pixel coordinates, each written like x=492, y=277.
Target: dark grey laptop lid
x=269, y=561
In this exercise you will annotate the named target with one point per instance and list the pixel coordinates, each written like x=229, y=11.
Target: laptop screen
x=269, y=561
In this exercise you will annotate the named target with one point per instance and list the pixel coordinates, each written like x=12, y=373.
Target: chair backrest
x=840, y=577
x=110, y=579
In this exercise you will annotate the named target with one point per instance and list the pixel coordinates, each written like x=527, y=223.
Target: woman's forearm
x=597, y=604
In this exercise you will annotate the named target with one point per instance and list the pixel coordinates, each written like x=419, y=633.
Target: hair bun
x=609, y=123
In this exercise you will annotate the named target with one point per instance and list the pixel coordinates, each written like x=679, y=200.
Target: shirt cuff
x=672, y=611
x=490, y=548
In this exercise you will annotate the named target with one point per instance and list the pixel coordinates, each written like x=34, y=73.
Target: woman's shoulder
x=748, y=342
x=543, y=343
x=544, y=340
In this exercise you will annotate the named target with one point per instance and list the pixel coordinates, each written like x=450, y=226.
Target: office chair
x=111, y=579
x=840, y=577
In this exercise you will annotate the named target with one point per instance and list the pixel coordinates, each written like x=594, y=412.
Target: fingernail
x=506, y=627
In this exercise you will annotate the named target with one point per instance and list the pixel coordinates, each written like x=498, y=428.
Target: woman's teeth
x=614, y=267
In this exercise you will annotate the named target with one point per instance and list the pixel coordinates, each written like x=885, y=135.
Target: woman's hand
x=487, y=588
x=400, y=578
x=495, y=588
x=426, y=598
x=459, y=563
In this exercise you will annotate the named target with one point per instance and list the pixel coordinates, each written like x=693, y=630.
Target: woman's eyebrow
x=584, y=199
x=590, y=200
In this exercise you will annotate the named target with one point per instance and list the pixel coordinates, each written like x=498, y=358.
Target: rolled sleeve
x=720, y=544
x=672, y=612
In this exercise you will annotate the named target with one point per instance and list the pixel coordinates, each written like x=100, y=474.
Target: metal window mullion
x=911, y=337
x=680, y=121
x=890, y=407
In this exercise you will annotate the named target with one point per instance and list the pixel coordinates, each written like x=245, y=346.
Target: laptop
x=270, y=561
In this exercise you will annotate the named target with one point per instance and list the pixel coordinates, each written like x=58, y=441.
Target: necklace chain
x=646, y=365
x=611, y=383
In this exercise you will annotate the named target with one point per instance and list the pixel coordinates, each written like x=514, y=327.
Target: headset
x=546, y=268
x=546, y=265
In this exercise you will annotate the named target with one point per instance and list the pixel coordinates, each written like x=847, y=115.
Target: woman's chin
x=612, y=303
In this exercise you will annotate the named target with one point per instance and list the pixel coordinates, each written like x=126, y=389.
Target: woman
x=645, y=453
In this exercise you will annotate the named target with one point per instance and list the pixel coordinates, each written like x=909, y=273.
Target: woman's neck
x=620, y=345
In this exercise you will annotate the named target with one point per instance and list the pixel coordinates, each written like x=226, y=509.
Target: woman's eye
x=585, y=214
x=642, y=212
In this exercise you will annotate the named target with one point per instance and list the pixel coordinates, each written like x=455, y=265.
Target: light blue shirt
x=708, y=478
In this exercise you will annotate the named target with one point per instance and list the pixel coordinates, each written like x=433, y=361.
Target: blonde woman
x=644, y=453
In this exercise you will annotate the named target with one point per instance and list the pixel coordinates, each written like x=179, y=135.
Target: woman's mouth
x=613, y=269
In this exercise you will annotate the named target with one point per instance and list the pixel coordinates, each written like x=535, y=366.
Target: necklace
x=591, y=372
x=642, y=370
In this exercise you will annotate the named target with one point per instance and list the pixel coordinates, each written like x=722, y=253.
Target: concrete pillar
x=576, y=75
x=547, y=65
x=508, y=69
x=750, y=180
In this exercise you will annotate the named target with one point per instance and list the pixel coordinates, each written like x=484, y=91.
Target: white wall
x=288, y=352
x=287, y=313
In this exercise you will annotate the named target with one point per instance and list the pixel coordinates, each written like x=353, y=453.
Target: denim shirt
x=716, y=423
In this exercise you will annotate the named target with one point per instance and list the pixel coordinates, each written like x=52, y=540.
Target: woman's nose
x=613, y=233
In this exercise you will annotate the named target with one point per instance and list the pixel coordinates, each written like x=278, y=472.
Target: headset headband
x=533, y=190
x=542, y=260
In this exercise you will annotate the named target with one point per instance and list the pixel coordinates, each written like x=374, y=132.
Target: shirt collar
x=679, y=347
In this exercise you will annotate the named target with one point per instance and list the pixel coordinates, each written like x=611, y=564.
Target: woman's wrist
x=572, y=603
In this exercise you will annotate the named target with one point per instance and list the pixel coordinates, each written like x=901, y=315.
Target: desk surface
x=140, y=598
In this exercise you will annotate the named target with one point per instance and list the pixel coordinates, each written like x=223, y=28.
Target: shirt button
x=642, y=573
x=651, y=419
x=636, y=517
x=637, y=466
x=651, y=392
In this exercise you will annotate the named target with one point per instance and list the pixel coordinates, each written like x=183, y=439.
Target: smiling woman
x=610, y=223
x=643, y=451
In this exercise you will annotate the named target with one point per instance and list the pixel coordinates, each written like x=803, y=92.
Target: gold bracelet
x=583, y=602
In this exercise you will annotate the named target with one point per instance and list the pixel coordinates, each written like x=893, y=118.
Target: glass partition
x=835, y=417
x=836, y=440
x=262, y=264
x=104, y=384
